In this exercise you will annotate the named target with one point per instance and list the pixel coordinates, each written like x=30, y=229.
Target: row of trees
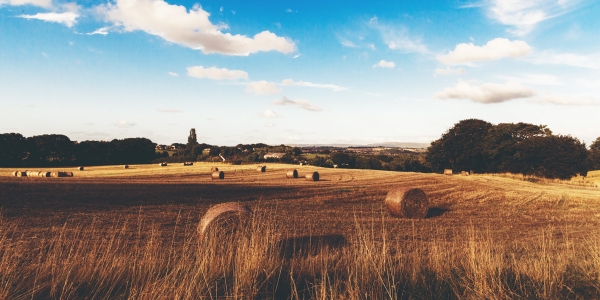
x=59, y=150
x=517, y=148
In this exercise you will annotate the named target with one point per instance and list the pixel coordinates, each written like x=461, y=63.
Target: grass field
x=114, y=233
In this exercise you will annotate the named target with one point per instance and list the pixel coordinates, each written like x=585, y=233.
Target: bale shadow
x=433, y=212
x=304, y=246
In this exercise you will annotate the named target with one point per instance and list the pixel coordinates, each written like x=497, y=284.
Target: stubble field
x=114, y=233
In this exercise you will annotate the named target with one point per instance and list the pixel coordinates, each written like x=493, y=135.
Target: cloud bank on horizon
x=348, y=72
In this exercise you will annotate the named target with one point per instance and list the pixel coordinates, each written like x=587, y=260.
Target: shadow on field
x=433, y=212
x=306, y=245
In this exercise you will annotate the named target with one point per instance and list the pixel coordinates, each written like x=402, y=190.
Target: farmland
x=131, y=233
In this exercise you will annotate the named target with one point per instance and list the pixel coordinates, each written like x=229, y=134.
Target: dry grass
x=111, y=235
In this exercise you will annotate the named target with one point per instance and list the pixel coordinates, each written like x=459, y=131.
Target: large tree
x=594, y=155
x=14, y=149
x=461, y=147
x=555, y=156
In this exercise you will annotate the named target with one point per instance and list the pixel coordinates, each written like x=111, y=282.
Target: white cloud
x=493, y=50
x=303, y=104
x=66, y=18
x=347, y=43
x=288, y=10
x=558, y=99
x=173, y=74
x=262, y=88
x=290, y=82
x=297, y=55
x=169, y=110
x=398, y=38
x=372, y=46
x=449, y=71
x=191, y=29
x=40, y=3
x=215, y=73
x=535, y=79
x=101, y=31
x=486, y=93
x=550, y=57
x=524, y=15
x=125, y=124
x=384, y=64
x=269, y=114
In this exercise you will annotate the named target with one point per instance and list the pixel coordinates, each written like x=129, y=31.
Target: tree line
x=53, y=150
x=481, y=147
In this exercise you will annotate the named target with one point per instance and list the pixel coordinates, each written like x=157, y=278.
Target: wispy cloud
x=169, y=110
x=66, y=18
x=40, y=3
x=215, y=73
x=269, y=114
x=262, y=88
x=550, y=57
x=398, y=37
x=450, y=71
x=100, y=31
x=347, y=43
x=487, y=93
x=173, y=74
x=125, y=124
x=524, y=15
x=492, y=50
x=534, y=79
x=290, y=82
x=303, y=104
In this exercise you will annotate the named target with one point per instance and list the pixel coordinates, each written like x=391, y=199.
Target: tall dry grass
x=137, y=259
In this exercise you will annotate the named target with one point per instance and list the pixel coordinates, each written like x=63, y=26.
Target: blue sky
x=296, y=72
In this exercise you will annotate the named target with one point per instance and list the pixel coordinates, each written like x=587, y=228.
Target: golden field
x=114, y=233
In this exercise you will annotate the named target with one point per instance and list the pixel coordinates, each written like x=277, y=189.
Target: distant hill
x=388, y=144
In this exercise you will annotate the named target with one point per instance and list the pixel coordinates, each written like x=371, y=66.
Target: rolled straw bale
x=464, y=173
x=224, y=218
x=188, y=163
x=218, y=175
x=405, y=202
x=214, y=169
x=126, y=167
x=44, y=174
x=21, y=174
x=163, y=164
x=291, y=174
x=33, y=173
x=68, y=174
x=314, y=176
x=261, y=169
x=301, y=164
x=80, y=168
x=15, y=173
x=447, y=171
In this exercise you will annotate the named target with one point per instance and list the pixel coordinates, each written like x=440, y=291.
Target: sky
x=296, y=72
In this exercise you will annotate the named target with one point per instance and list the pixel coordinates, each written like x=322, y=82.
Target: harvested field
x=484, y=236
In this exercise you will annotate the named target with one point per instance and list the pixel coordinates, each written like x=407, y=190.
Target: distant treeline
x=58, y=150
x=516, y=148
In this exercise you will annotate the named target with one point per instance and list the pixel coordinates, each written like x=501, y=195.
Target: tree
x=594, y=155
x=343, y=159
x=502, y=141
x=556, y=156
x=461, y=147
x=50, y=150
x=14, y=149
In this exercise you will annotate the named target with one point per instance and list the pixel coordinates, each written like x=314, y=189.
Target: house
x=275, y=155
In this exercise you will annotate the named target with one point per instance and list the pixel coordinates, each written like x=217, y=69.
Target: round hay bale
x=464, y=173
x=291, y=174
x=163, y=164
x=126, y=167
x=448, y=172
x=80, y=168
x=314, y=176
x=21, y=174
x=214, y=169
x=224, y=218
x=33, y=173
x=301, y=164
x=68, y=174
x=44, y=174
x=218, y=175
x=15, y=173
x=188, y=163
x=261, y=169
x=408, y=203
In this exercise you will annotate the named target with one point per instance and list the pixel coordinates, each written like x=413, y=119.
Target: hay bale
x=21, y=174
x=15, y=173
x=187, y=163
x=218, y=175
x=214, y=169
x=126, y=167
x=224, y=218
x=301, y=164
x=163, y=164
x=447, y=171
x=464, y=173
x=68, y=174
x=409, y=203
x=44, y=174
x=314, y=176
x=80, y=168
x=291, y=174
x=33, y=173
x=261, y=169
